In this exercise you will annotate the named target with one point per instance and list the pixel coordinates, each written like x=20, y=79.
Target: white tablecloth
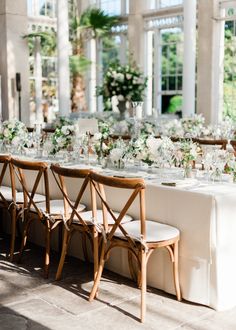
x=205, y=214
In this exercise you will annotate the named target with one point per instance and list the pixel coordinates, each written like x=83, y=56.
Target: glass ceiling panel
x=157, y=4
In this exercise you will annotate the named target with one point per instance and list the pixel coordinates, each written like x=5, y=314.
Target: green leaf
x=79, y=64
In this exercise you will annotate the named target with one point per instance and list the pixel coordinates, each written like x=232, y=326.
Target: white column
x=149, y=71
x=63, y=57
x=38, y=79
x=0, y=98
x=93, y=76
x=189, y=57
x=210, y=61
x=136, y=31
x=14, y=58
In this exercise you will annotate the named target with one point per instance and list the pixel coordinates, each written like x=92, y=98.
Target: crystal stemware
x=137, y=107
x=37, y=136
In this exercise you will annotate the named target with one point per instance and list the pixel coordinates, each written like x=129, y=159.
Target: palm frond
x=97, y=20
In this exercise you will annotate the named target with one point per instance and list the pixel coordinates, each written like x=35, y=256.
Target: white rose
x=116, y=154
x=11, y=125
x=6, y=132
x=60, y=142
x=120, y=97
x=97, y=136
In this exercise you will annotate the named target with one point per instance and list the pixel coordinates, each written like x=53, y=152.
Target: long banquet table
x=205, y=215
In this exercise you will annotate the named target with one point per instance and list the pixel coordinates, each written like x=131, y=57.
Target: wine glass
x=37, y=136
x=47, y=146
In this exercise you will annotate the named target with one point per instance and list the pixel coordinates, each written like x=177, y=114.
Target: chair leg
x=176, y=272
x=24, y=238
x=84, y=247
x=132, y=271
x=13, y=233
x=143, y=285
x=66, y=239
x=99, y=273
x=95, y=253
x=47, y=250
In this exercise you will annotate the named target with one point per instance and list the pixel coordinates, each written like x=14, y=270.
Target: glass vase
x=187, y=171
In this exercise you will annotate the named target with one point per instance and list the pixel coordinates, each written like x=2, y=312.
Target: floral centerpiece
x=100, y=139
x=186, y=153
x=137, y=149
x=192, y=126
x=172, y=128
x=231, y=165
x=217, y=160
x=160, y=151
x=117, y=153
x=13, y=132
x=62, y=138
x=126, y=82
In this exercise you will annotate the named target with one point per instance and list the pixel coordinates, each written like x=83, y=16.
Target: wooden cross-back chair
x=80, y=221
x=33, y=177
x=8, y=196
x=75, y=220
x=140, y=237
x=221, y=143
x=5, y=191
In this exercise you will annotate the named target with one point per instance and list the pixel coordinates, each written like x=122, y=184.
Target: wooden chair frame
x=10, y=205
x=137, y=246
x=30, y=209
x=87, y=230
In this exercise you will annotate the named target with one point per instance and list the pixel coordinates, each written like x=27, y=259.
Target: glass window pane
x=179, y=83
x=171, y=83
x=111, y=7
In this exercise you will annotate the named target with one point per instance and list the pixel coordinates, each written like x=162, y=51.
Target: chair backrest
x=5, y=161
x=60, y=174
x=33, y=178
x=211, y=142
x=137, y=190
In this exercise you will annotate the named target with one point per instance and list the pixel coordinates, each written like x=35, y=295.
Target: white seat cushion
x=87, y=216
x=156, y=232
x=6, y=192
x=57, y=206
x=37, y=197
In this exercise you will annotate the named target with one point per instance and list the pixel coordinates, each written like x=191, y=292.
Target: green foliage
x=97, y=20
x=175, y=104
x=79, y=64
x=47, y=41
x=230, y=72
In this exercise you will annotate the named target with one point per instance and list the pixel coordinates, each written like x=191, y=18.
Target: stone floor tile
x=28, y=301
x=43, y=314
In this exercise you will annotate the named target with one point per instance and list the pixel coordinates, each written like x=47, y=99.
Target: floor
x=30, y=302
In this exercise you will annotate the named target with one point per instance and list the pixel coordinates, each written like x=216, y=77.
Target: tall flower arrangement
x=126, y=82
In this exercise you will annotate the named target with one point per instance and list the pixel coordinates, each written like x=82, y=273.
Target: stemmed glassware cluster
x=37, y=137
x=137, y=107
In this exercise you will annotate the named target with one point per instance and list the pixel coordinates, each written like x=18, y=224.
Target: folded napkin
x=180, y=183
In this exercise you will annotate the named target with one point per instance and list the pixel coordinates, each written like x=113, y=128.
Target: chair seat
x=37, y=197
x=6, y=192
x=156, y=232
x=57, y=206
x=87, y=216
